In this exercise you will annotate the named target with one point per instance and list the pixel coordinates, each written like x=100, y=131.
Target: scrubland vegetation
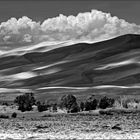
x=71, y=105
x=68, y=118
x=67, y=102
x=103, y=105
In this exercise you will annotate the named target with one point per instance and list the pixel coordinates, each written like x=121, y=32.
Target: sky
x=33, y=21
x=41, y=9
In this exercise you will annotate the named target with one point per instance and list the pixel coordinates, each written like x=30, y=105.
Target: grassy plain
x=99, y=124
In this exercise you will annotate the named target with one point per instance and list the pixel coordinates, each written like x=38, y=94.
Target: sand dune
x=114, y=62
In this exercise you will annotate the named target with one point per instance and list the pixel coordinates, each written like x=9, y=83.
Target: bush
x=91, y=103
x=106, y=102
x=14, y=115
x=82, y=106
x=5, y=103
x=25, y=102
x=42, y=107
x=69, y=102
x=54, y=107
x=74, y=108
x=4, y=116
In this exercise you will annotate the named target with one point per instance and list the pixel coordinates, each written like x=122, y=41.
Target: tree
x=25, y=102
x=91, y=103
x=106, y=102
x=68, y=102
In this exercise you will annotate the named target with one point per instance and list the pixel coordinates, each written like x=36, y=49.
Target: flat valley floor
x=71, y=126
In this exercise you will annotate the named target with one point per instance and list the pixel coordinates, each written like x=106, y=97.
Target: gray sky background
x=40, y=10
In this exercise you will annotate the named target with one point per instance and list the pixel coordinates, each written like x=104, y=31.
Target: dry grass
x=72, y=126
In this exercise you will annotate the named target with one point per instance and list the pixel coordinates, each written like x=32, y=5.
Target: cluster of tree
x=45, y=106
x=106, y=102
x=25, y=102
x=42, y=106
x=92, y=103
x=68, y=102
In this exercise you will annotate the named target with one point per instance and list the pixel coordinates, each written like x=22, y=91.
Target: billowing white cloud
x=27, y=38
x=92, y=26
x=18, y=31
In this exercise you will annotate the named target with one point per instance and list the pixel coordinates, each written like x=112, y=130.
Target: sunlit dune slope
x=82, y=65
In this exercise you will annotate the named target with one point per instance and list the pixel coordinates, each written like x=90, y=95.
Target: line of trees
x=92, y=103
x=67, y=102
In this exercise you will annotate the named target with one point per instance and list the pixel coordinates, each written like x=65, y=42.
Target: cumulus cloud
x=27, y=38
x=18, y=31
x=92, y=26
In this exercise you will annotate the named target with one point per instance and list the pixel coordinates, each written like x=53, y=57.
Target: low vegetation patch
x=4, y=116
x=42, y=106
x=14, y=115
x=68, y=104
x=47, y=115
x=105, y=112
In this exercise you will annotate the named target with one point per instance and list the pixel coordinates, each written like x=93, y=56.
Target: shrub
x=4, y=116
x=42, y=107
x=5, y=103
x=82, y=106
x=25, y=102
x=106, y=102
x=74, y=108
x=69, y=102
x=91, y=103
x=14, y=115
x=54, y=107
